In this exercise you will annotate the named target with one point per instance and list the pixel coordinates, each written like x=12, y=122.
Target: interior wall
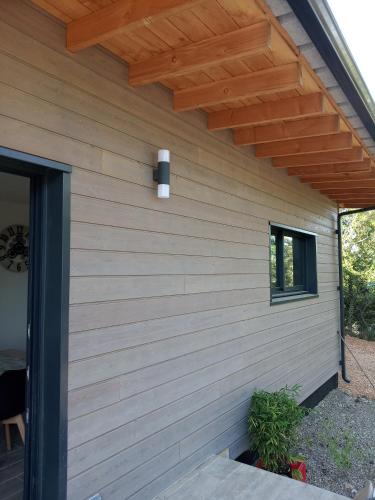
x=13, y=286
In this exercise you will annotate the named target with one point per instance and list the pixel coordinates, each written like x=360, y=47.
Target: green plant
x=273, y=421
x=340, y=445
x=341, y=454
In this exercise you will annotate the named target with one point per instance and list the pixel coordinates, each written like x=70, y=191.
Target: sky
x=356, y=19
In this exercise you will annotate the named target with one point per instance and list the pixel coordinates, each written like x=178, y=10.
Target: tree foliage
x=359, y=274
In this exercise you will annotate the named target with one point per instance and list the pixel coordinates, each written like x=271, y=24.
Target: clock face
x=14, y=248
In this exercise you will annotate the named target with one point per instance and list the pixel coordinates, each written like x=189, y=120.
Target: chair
x=12, y=402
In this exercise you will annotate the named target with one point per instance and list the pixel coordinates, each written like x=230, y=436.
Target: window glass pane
x=288, y=262
x=299, y=261
x=273, y=262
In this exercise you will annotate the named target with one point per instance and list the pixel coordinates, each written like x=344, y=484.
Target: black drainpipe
x=341, y=286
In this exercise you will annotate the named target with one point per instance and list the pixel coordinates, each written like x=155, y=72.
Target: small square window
x=293, y=263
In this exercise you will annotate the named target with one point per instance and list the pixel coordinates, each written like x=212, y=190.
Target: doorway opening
x=34, y=305
x=14, y=263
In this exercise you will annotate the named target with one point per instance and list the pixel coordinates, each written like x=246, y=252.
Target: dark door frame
x=48, y=314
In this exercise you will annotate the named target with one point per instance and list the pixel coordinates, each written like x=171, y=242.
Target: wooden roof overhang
x=234, y=60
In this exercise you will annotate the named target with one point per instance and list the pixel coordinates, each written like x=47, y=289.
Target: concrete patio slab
x=219, y=478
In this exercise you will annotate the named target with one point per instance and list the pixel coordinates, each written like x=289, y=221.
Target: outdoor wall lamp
x=161, y=173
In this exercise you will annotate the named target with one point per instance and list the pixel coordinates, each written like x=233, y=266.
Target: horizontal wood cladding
x=171, y=327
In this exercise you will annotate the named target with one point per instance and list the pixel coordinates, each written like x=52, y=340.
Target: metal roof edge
x=321, y=39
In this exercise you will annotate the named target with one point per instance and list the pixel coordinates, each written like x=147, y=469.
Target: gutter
x=319, y=23
x=341, y=286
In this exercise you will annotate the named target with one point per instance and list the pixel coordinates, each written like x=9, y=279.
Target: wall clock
x=14, y=248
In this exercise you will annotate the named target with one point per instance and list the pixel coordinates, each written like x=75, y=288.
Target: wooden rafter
x=249, y=41
x=307, y=179
x=351, y=195
x=344, y=184
x=332, y=169
x=119, y=17
x=235, y=60
x=335, y=142
x=358, y=199
x=278, y=79
x=358, y=204
x=334, y=191
x=333, y=181
x=268, y=112
x=364, y=201
x=345, y=156
x=293, y=129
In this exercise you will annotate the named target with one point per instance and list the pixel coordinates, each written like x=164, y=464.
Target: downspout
x=341, y=286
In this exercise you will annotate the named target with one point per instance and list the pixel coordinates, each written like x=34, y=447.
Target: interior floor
x=11, y=468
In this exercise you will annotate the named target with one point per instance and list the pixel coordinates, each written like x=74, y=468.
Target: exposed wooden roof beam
x=348, y=195
x=293, y=129
x=267, y=112
x=357, y=204
x=307, y=179
x=362, y=199
x=119, y=17
x=268, y=81
x=345, y=184
x=345, y=156
x=348, y=191
x=249, y=41
x=335, y=142
x=334, y=168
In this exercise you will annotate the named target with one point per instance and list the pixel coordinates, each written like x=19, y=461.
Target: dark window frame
x=304, y=263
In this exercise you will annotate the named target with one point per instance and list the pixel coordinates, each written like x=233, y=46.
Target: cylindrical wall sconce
x=161, y=173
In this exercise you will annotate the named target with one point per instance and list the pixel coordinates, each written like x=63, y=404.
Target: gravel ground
x=364, y=351
x=337, y=440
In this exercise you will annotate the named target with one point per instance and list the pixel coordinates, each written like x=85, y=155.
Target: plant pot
x=296, y=470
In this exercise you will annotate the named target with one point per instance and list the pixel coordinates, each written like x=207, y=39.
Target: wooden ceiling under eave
x=234, y=60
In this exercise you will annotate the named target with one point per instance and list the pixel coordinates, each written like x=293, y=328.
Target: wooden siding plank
x=103, y=340
x=97, y=263
x=106, y=419
x=195, y=420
